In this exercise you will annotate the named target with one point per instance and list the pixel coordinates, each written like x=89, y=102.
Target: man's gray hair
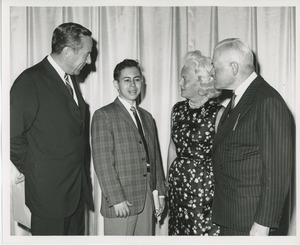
x=240, y=48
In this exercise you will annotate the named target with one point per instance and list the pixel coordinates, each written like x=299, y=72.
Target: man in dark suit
x=253, y=148
x=47, y=134
x=127, y=158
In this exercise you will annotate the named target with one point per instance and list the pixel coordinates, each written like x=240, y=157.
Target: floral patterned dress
x=191, y=184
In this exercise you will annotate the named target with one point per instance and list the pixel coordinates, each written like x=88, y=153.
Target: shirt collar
x=225, y=102
x=60, y=71
x=126, y=103
x=242, y=88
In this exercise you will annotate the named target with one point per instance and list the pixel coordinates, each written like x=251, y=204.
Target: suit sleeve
x=159, y=172
x=23, y=111
x=160, y=177
x=103, y=158
x=275, y=132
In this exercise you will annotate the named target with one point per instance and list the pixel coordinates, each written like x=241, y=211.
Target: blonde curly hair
x=203, y=67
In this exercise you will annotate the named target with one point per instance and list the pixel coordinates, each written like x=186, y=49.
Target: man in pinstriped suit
x=127, y=162
x=253, y=150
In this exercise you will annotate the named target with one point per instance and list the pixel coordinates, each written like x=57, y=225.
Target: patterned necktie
x=140, y=129
x=68, y=84
x=227, y=110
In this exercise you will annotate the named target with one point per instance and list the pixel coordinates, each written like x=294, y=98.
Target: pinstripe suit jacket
x=253, y=154
x=120, y=159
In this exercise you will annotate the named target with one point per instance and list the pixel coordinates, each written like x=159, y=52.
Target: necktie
x=218, y=117
x=68, y=84
x=140, y=129
x=228, y=109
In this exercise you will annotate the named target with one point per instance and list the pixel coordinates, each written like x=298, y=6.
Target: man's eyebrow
x=133, y=77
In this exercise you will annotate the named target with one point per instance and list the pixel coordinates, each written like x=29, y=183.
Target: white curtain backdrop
x=158, y=37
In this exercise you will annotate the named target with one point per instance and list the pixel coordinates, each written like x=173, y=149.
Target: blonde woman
x=190, y=176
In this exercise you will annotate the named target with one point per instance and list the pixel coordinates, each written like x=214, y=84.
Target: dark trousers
x=225, y=231
x=71, y=225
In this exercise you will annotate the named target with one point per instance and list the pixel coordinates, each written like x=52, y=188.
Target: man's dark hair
x=68, y=35
x=125, y=64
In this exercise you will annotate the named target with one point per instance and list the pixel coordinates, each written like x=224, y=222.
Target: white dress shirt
x=239, y=93
x=61, y=73
x=128, y=106
x=243, y=87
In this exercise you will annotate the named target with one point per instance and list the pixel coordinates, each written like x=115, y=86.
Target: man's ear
x=66, y=52
x=116, y=84
x=234, y=67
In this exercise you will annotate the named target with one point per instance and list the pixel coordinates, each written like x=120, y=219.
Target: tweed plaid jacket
x=119, y=157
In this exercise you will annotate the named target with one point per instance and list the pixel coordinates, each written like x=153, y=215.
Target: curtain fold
x=158, y=37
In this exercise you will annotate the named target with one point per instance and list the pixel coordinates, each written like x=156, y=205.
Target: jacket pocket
x=125, y=181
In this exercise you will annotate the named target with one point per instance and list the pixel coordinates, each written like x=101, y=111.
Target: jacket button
x=144, y=175
x=140, y=142
x=221, y=166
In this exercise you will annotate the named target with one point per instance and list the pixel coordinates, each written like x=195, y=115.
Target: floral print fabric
x=191, y=184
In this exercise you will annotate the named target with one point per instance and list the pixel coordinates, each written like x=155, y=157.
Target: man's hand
x=259, y=230
x=161, y=205
x=20, y=178
x=122, y=209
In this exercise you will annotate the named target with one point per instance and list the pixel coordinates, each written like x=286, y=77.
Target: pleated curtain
x=158, y=37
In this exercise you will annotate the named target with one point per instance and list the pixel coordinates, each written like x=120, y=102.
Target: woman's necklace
x=197, y=104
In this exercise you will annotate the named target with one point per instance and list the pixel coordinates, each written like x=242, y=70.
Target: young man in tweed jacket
x=127, y=161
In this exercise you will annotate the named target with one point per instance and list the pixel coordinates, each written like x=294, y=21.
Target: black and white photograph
x=156, y=122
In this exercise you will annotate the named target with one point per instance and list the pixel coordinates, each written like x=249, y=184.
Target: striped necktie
x=68, y=84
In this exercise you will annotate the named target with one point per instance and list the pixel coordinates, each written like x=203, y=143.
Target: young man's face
x=129, y=84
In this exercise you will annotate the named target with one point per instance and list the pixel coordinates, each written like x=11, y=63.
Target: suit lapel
x=81, y=102
x=55, y=79
x=145, y=123
x=124, y=113
x=78, y=92
x=239, y=111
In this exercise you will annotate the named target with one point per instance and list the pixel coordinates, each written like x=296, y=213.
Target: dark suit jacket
x=120, y=159
x=47, y=140
x=253, y=157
